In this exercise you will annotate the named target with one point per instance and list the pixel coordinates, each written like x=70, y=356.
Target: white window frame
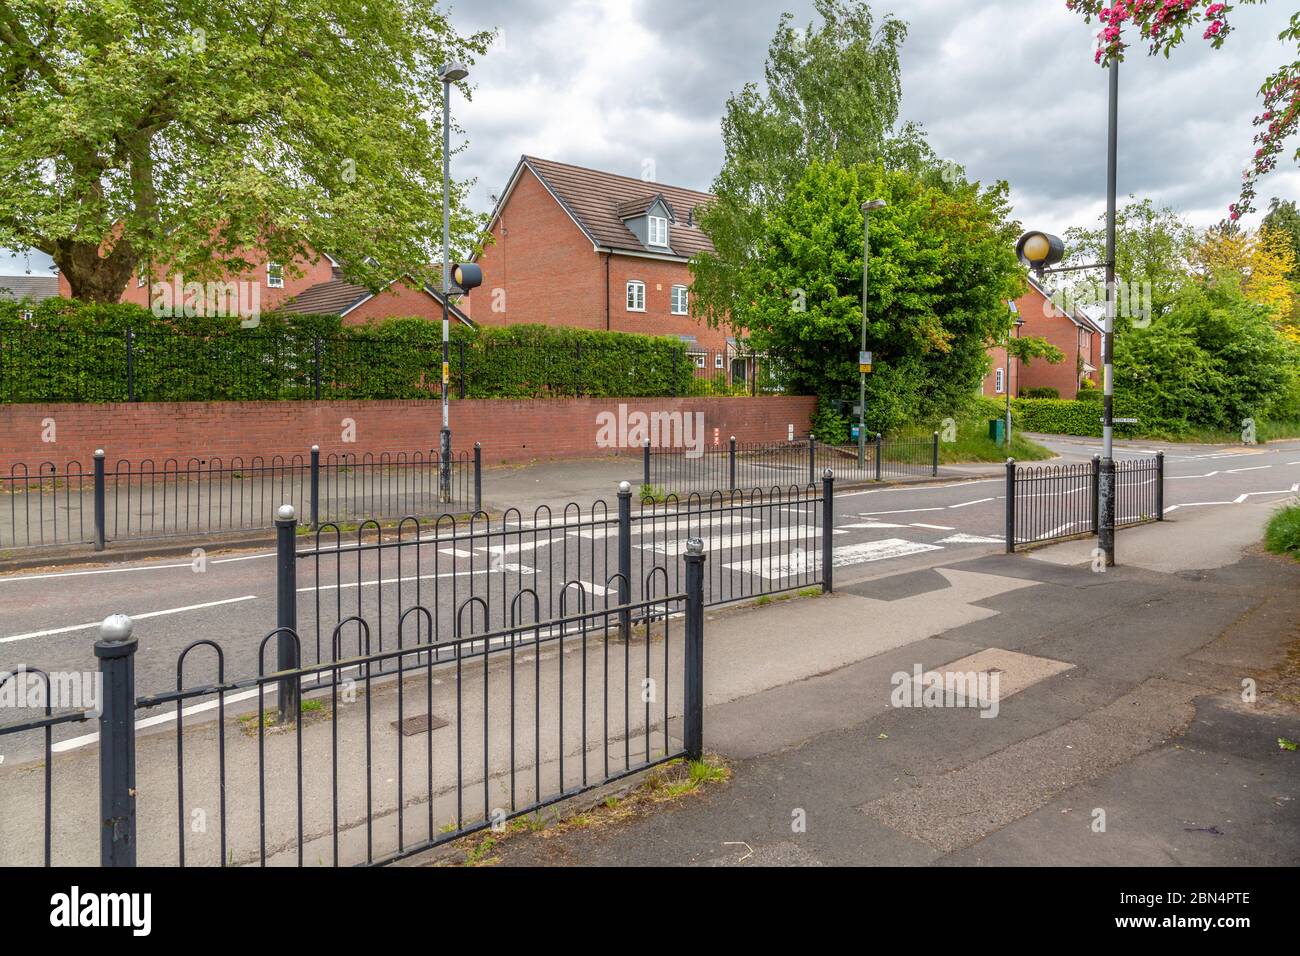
x=274, y=281
x=718, y=362
x=142, y=280
x=652, y=232
x=699, y=359
x=635, y=294
x=999, y=380
x=685, y=302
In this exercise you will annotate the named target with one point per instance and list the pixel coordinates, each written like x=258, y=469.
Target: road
x=50, y=618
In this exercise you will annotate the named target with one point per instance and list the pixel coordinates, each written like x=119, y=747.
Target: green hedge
x=76, y=352
x=1066, y=417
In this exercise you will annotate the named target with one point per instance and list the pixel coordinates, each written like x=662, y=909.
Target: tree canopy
x=941, y=269
x=831, y=92
x=182, y=132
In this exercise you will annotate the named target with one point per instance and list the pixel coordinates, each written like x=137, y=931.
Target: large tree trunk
x=95, y=278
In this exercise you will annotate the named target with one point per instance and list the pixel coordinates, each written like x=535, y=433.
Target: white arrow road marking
x=786, y=565
x=1235, y=471
x=970, y=539
x=134, y=617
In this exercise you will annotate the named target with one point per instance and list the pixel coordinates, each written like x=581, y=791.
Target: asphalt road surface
x=50, y=619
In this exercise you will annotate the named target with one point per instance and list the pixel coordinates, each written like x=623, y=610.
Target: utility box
x=998, y=430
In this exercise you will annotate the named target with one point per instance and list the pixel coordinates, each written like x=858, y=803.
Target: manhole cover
x=418, y=725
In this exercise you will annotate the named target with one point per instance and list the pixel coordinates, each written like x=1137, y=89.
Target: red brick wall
x=1043, y=320
x=510, y=431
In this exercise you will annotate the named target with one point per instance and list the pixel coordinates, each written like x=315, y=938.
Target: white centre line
x=134, y=617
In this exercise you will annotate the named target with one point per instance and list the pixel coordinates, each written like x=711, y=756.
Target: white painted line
x=134, y=617
x=1236, y=471
x=456, y=552
x=902, y=511
x=787, y=565
x=755, y=539
x=511, y=568
x=977, y=501
x=933, y=527
x=151, y=567
x=970, y=539
x=1239, y=499
x=871, y=524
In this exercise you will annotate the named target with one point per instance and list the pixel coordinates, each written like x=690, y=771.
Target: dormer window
x=658, y=231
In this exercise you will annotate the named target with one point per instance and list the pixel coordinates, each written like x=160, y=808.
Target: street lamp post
x=867, y=208
x=1038, y=250
x=449, y=73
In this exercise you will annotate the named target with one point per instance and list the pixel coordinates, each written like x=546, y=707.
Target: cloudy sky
x=1005, y=87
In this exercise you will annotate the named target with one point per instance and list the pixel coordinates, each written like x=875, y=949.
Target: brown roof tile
x=34, y=288
x=598, y=201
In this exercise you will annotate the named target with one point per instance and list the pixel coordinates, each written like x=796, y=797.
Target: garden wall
x=510, y=431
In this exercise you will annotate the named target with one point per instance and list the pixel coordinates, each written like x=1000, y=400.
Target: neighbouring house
x=319, y=288
x=572, y=246
x=1076, y=334
x=27, y=288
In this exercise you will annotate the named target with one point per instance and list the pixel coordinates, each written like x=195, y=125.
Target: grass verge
x=1282, y=536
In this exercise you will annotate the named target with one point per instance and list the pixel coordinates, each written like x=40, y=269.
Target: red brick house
x=319, y=288
x=580, y=247
x=1076, y=335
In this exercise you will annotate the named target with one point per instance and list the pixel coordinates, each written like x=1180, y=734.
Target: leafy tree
x=1152, y=247
x=183, y=132
x=831, y=93
x=941, y=270
x=1284, y=217
x=1258, y=264
x=1164, y=25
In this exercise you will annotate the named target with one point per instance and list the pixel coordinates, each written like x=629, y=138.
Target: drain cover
x=418, y=724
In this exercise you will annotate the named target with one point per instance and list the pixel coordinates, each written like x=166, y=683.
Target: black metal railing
x=52, y=504
x=525, y=716
x=1054, y=502
x=760, y=542
x=42, y=365
x=745, y=465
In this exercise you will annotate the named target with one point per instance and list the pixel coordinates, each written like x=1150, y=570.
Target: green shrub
x=1042, y=392
x=1064, y=417
x=1283, y=533
x=77, y=352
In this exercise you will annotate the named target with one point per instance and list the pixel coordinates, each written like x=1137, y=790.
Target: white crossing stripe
x=806, y=562
x=744, y=540
x=964, y=538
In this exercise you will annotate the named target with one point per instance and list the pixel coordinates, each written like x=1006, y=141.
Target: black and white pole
x=1106, y=478
x=449, y=73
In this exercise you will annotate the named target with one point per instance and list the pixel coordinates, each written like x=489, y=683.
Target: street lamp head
x=1038, y=250
x=467, y=275
x=453, y=71
x=873, y=204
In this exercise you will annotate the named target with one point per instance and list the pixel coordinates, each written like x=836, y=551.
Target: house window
x=141, y=280
x=717, y=360
x=679, y=300
x=658, y=231
x=636, y=296
x=274, y=275
x=27, y=315
x=998, y=380
x=699, y=360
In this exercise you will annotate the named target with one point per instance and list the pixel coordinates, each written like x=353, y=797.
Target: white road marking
x=1235, y=471
x=756, y=538
x=933, y=527
x=134, y=617
x=970, y=539
x=152, y=567
x=901, y=511
x=787, y=565
x=977, y=501
x=872, y=524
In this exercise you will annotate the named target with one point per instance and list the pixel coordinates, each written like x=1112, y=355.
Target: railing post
x=812, y=458
x=828, y=526
x=1011, y=505
x=130, y=365
x=115, y=650
x=693, y=688
x=625, y=558
x=731, y=463
x=286, y=609
x=934, y=455
x=645, y=463
x=478, y=477
x=1094, y=490
x=879, y=446
x=315, y=376
x=315, y=487
x=1160, y=486
x=99, y=499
